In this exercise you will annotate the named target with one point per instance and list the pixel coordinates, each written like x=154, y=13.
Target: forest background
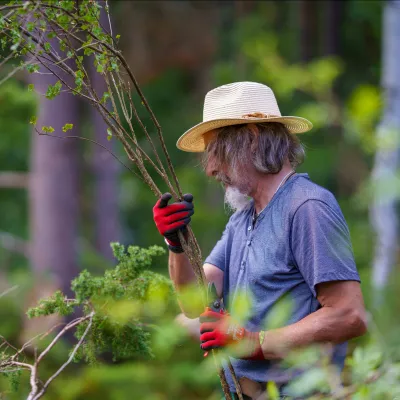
x=63, y=202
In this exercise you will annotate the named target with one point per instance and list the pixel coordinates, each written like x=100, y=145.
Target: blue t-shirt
x=299, y=240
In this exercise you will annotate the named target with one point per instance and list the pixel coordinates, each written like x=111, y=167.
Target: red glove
x=219, y=330
x=171, y=218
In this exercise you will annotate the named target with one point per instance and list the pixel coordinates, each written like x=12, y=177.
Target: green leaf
x=63, y=45
x=47, y=129
x=67, y=127
x=31, y=68
x=53, y=90
x=109, y=134
x=272, y=389
x=105, y=97
x=280, y=313
x=88, y=51
x=33, y=120
x=311, y=380
x=241, y=306
x=3, y=42
x=117, y=37
x=47, y=47
x=30, y=26
x=31, y=87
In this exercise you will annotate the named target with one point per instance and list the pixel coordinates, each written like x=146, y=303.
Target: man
x=288, y=237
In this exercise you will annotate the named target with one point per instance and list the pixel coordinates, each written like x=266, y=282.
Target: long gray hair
x=265, y=145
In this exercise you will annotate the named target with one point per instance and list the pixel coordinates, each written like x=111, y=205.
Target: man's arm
x=170, y=219
x=342, y=317
x=181, y=273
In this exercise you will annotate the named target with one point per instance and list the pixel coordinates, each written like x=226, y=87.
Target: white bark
x=384, y=218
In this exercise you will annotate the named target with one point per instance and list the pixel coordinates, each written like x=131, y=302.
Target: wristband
x=174, y=249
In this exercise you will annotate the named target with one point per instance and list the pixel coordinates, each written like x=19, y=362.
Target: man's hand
x=218, y=330
x=171, y=218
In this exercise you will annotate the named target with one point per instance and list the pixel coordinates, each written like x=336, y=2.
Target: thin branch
x=7, y=343
x=21, y=364
x=61, y=333
x=92, y=141
x=71, y=357
x=113, y=120
x=141, y=95
x=9, y=290
x=107, y=9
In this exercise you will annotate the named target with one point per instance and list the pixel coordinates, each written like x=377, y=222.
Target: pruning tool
x=214, y=302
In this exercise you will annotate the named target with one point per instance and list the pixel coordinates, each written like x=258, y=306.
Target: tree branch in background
x=31, y=28
x=13, y=180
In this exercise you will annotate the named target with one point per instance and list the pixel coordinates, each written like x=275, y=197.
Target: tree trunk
x=308, y=29
x=383, y=213
x=332, y=20
x=53, y=186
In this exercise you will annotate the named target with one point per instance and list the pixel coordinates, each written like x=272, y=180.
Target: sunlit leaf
x=47, y=129
x=67, y=127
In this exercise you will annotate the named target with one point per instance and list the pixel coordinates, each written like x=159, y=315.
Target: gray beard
x=236, y=200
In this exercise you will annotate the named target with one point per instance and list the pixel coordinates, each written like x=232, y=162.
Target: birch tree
x=385, y=172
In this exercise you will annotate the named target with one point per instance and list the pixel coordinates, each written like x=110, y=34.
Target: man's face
x=237, y=184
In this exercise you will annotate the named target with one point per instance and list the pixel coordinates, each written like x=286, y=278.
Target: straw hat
x=234, y=104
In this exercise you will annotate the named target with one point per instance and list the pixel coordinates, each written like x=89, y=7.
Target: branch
x=9, y=290
x=14, y=179
x=105, y=46
x=69, y=326
x=71, y=357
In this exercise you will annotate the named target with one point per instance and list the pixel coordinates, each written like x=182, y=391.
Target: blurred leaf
x=272, y=390
x=242, y=306
x=364, y=361
x=280, y=313
x=312, y=380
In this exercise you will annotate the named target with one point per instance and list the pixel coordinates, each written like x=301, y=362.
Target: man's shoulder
x=304, y=189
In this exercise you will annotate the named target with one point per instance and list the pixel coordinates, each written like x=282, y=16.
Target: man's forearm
x=181, y=273
x=180, y=270
x=327, y=325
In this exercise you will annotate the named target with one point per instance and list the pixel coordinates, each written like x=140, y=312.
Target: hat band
x=259, y=115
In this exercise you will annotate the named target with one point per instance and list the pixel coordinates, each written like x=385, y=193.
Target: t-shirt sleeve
x=217, y=256
x=320, y=243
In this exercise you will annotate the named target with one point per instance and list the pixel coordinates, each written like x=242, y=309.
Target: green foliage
x=67, y=127
x=14, y=379
x=265, y=38
x=118, y=299
x=47, y=129
x=55, y=304
x=53, y=90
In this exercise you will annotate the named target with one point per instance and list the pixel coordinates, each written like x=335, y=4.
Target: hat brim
x=193, y=139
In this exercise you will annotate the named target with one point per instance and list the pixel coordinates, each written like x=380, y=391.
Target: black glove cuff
x=176, y=249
